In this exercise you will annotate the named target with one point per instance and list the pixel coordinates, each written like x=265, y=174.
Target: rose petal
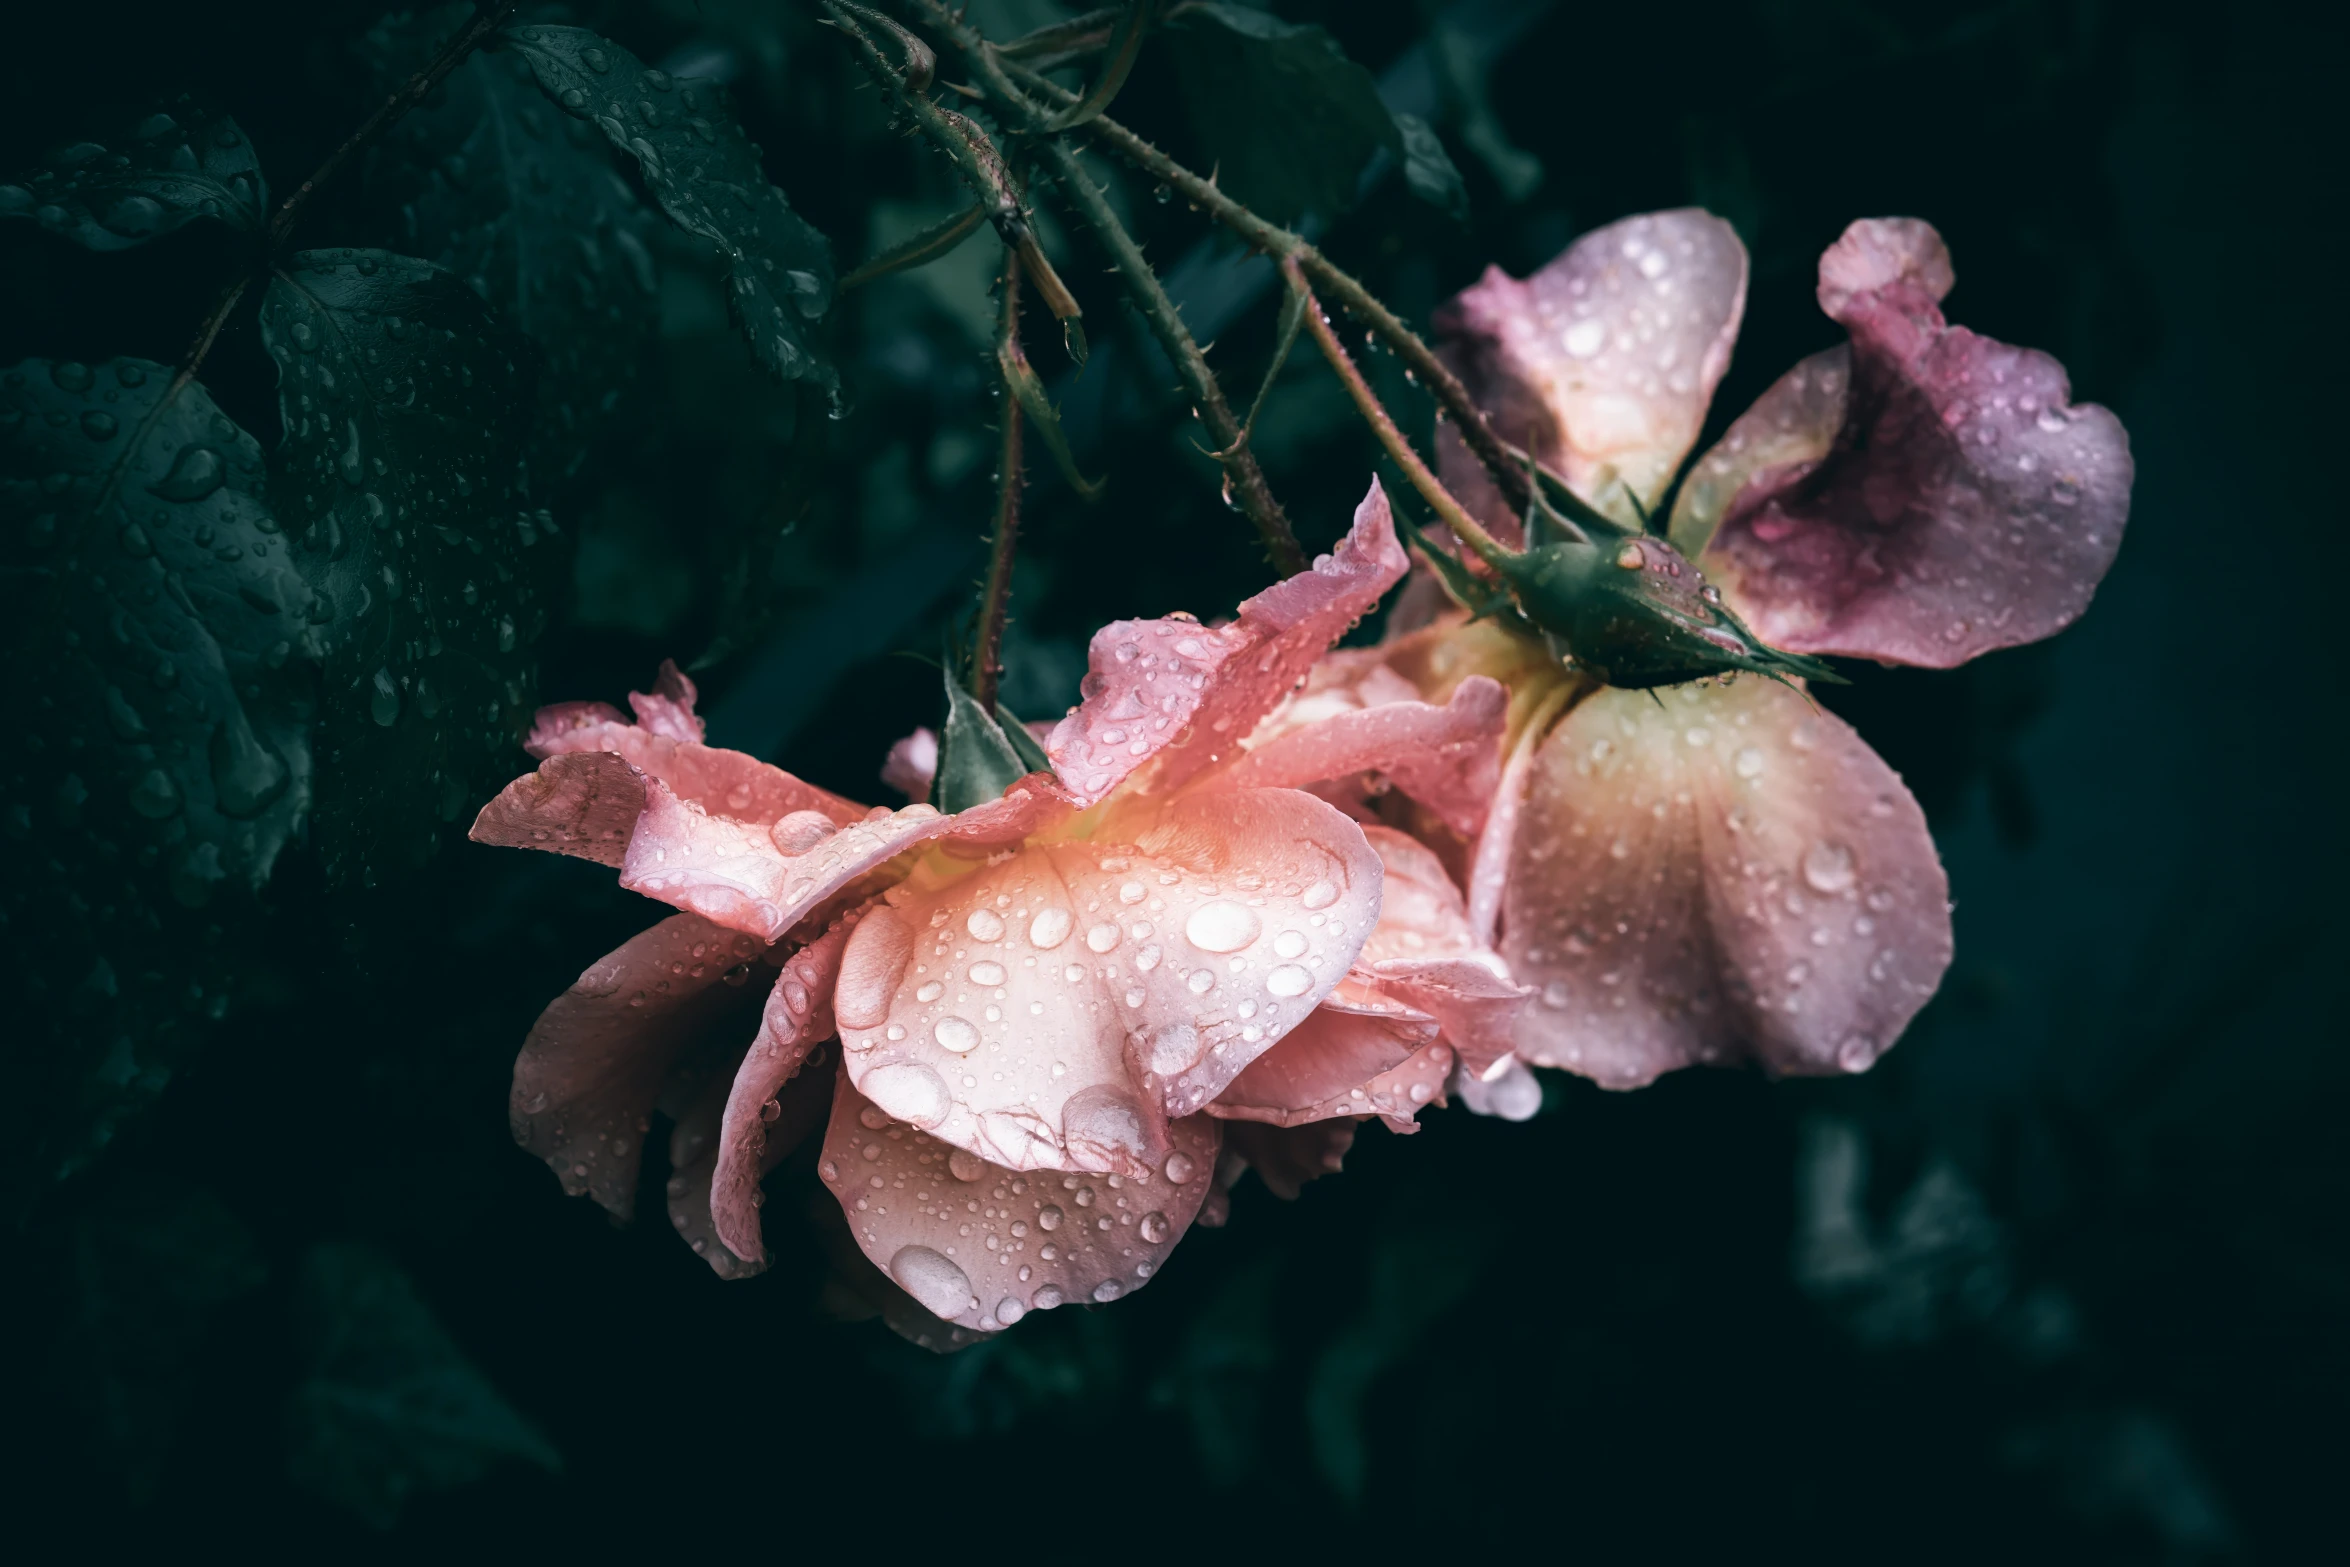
x=1184, y=692
x=1727, y=875
x=584, y=805
x=1286, y=1157
x=1602, y=363
x=1056, y=1009
x=912, y=765
x=1341, y=1062
x=1512, y=1094
x=1420, y=910
x=1927, y=496
x=798, y=1015
x=593, y=1066
x=1447, y=758
x=801, y=1107
x=668, y=710
x=982, y=1246
x=1476, y=1007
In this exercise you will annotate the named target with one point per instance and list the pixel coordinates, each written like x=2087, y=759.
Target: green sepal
x=1028, y=391
x=1480, y=598
x=977, y=760
x=1023, y=742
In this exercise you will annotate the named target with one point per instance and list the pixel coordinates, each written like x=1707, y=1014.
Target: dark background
x=2062, y=1279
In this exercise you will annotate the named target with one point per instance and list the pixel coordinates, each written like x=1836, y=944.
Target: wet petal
x=1512, y=1094
x=912, y=765
x=1728, y=875
x=1185, y=693
x=1425, y=955
x=585, y=805
x=1961, y=502
x=1476, y=1007
x=1055, y=1010
x=798, y=1016
x=982, y=1246
x=593, y=1066
x=1448, y=758
x=1602, y=363
x=800, y=1109
x=1285, y=1157
x=1341, y=1063
x=668, y=709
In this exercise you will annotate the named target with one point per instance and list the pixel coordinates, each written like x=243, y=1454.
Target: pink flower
x=1724, y=871
x=1046, y=1005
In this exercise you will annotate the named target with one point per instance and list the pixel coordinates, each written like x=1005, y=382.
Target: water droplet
x=1586, y=337
x=985, y=925
x=1290, y=944
x=1289, y=980
x=1154, y=1228
x=1827, y=867
x=1104, y=1118
x=1856, y=1054
x=72, y=376
x=987, y=973
x=1630, y=556
x=956, y=1034
x=1047, y=1298
x=1221, y=926
x=1180, y=1167
x=964, y=1165
x=909, y=1091
x=1200, y=982
x=1108, y=1290
x=1749, y=763
x=195, y=473
x=1009, y=1311
x=99, y=425
x=383, y=701
x=1050, y=928
x=1102, y=937
x=1049, y=1217
x=943, y=1289
x=1320, y=895
x=1555, y=995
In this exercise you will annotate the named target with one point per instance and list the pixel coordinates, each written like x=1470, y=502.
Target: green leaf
x=405, y=399
x=160, y=637
x=179, y=164
x=1428, y=168
x=706, y=175
x=1029, y=392
x=977, y=762
x=1288, y=120
x=390, y=1407
x=528, y=206
x=1024, y=746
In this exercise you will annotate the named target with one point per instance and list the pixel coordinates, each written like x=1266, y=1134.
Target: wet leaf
x=405, y=399
x=529, y=207
x=160, y=633
x=706, y=175
x=1428, y=169
x=390, y=1407
x=176, y=166
x=1286, y=118
x=977, y=762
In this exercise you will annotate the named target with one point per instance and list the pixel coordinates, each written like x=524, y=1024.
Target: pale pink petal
x=1476, y=1006
x=1186, y=693
x=1341, y=1063
x=912, y=765
x=1423, y=954
x=764, y=879
x=1448, y=758
x=982, y=1246
x=801, y=1107
x=668, y=709
x=1602, y=363
x=1718, y=875
x=1056, y=1009
x=589, y=1074
x=1958, y=502
x=798, y=1016
x=1512, y=1094
x=584, y=805
x=1420, y=910
x=1286, y=1157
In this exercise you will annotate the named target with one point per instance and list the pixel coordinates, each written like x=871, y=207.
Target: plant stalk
x=987, y=651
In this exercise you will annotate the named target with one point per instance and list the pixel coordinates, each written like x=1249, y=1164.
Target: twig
x=987, y=651
x=1123, y=50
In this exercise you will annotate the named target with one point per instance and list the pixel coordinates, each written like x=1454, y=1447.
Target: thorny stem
x=1454, y=515
x=1009, y=80
x=987, y=653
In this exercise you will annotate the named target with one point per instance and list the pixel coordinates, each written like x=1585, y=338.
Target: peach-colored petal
x=798, y=1016
x=1342, y=1062
x=1448, y=758
x=584, y=805
x=982, y=1246
x=668, y=709
x=1187, y=693
x=912, y=765
x=1420, y=910
x=1476, y=1007
x=1055, y=1009
x=763, y=879
x=800, y=1109
x=1726, y=874
x=1286, y=1157
x=1959, y=502
x=593, y=1066
x=1603, y=363
x=1423, y=954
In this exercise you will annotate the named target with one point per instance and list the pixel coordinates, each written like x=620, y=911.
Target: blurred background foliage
x=2063, y=1278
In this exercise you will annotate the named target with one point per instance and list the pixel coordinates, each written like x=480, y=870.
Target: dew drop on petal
x=964, y=1165
x=957, y=1034
x=1180, y=1167
x=1320, y=895
x=1050, y=928
x=943, y=1289
x=1827, y=867
x=1154, y=1228
x=987, y=973
x=1289, y=980
x=1221, y=926
x=1102, y=937
x=985, y=925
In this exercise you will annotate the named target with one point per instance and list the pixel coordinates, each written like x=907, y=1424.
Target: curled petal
x=1448, y=758
x=1476, y=1007
x=589, y=1074
x=1056, y=1009
x=1925, y=496
x=1284, y=1157
x=668, y=709
x=800, y=1109
x=912, y=765
x=1420, y=910
x=1187, y=693
x=1602, y=363
x=798, y=1015
x=1342, y=1063
x=1728, y=874
x=584, y=805
x=982, y=1246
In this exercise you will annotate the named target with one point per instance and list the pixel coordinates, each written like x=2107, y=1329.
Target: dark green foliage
x=1286, y=118
x=177, y=165
x=405, y=399
x=390, y=1407
x=161, y=638
x=528, y=206
x=1428, y=168
x=706, y=174
x=978, y=757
